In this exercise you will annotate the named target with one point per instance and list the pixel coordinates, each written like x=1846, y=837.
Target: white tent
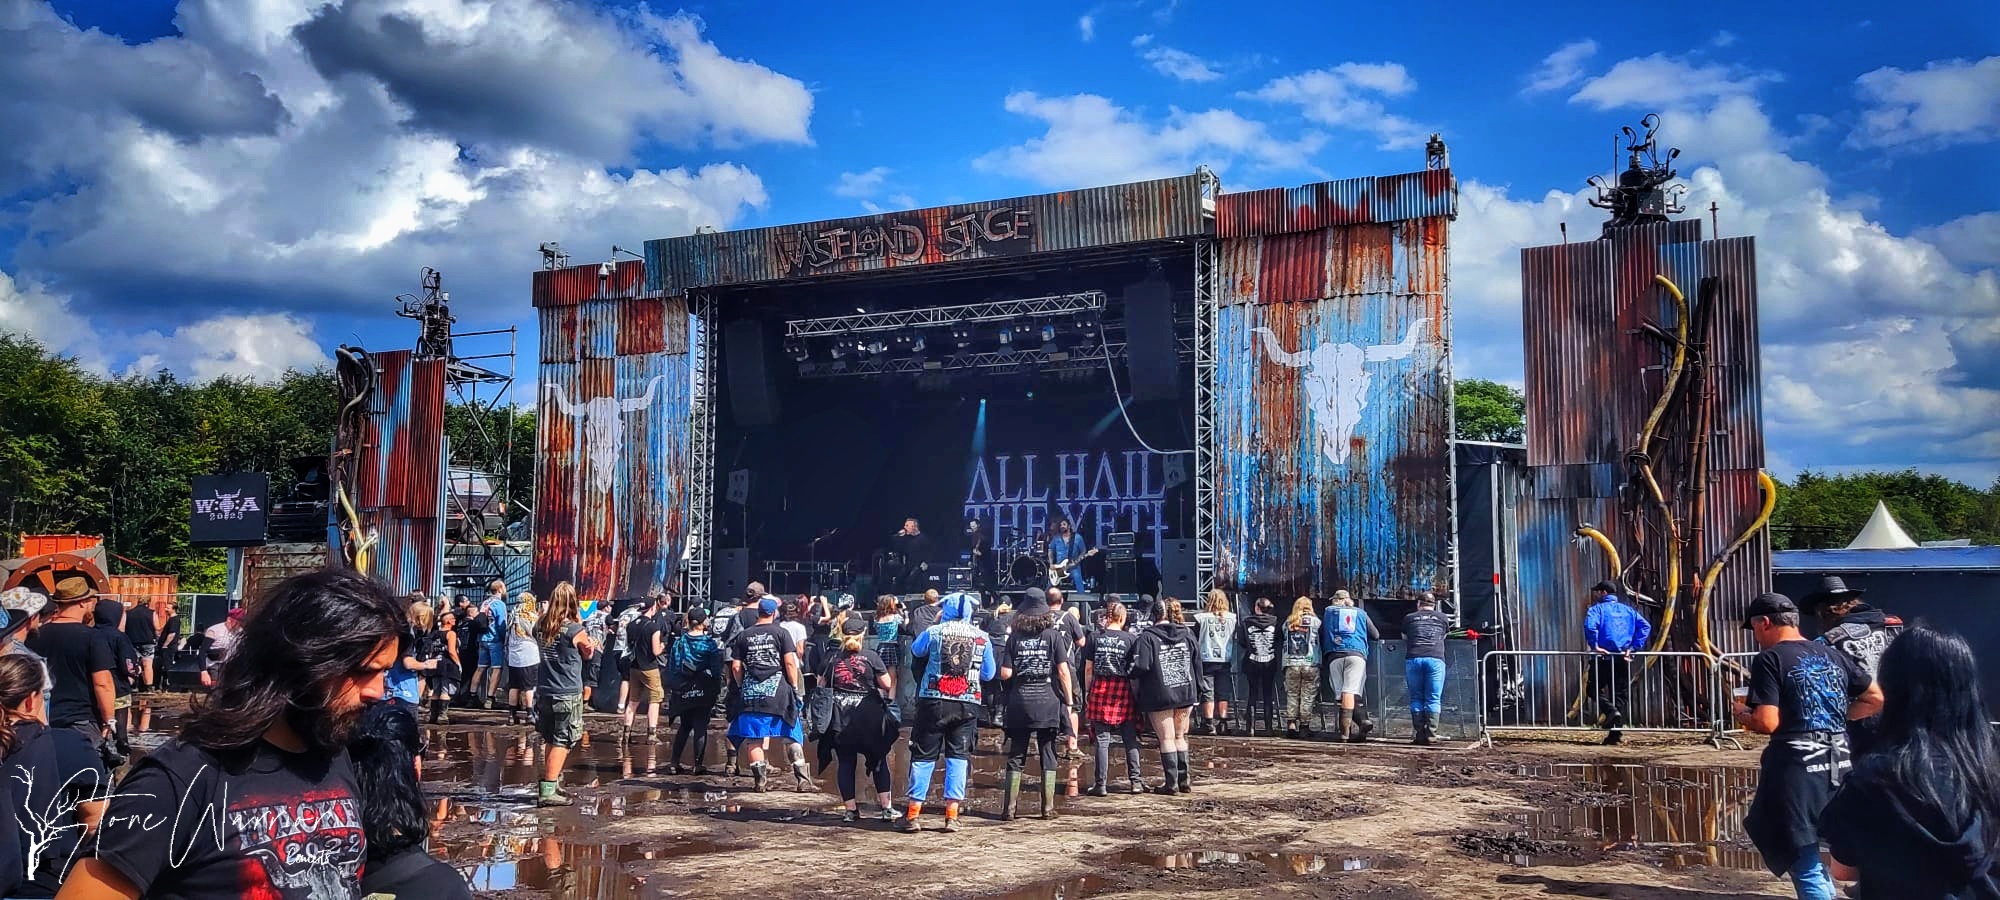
x=1881, y=532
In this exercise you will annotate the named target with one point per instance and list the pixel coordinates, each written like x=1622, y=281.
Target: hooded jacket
x=1905, y=848
x=1163, y=668
x=1257, y=639
x=956, y=655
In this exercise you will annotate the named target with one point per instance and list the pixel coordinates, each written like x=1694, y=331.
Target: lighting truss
x=1088, y=357
x=989, y=311
x=1207, y=325
x=701, y=449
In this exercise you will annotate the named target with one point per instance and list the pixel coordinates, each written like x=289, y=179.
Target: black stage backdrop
x=860, y=455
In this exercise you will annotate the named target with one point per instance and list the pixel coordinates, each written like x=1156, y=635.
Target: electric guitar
x=1057, y=570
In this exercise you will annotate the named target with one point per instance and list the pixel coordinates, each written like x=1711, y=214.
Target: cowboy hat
x=72, y=590
x=1831, y=590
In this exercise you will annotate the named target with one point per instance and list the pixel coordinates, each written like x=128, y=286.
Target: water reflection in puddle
x=1681, y=815
x=1061, y=889
x=1295, y=865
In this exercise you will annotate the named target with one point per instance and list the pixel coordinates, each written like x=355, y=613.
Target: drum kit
x=1029, y=565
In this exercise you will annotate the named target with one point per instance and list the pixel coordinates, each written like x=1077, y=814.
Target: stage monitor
x=228, y=510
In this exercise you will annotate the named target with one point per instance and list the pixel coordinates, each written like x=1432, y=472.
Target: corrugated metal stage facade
x=1329, y=318
x=1600, y=333
x=401, y=474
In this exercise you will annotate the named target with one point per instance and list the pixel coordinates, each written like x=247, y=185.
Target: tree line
x=86, y=454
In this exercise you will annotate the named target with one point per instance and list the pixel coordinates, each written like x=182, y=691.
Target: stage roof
x=1967, y=559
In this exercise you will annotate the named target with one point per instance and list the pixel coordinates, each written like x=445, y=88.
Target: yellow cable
x=1617, y=572
x=1770, y=489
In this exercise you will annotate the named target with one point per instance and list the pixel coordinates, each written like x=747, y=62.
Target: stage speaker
x=1177, y=570
x=738, y=490
x=732, y=572
x=753, y=390
x=1151, y=355
x=1121, y=576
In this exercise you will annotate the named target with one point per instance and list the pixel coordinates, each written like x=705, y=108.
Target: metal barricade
x=1577, y=691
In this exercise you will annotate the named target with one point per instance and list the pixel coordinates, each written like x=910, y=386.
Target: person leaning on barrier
x=1613, y=631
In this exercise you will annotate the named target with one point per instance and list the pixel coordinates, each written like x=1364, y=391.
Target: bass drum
x=1027, y=570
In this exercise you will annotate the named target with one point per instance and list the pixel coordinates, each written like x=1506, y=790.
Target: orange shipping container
x=42, y=544
x=135, y=590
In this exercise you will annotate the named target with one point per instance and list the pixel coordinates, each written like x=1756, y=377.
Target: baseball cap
x=768, y=606
x=1605, y=586
x=1768, y=604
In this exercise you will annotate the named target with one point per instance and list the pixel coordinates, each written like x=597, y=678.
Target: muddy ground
x=1268, y=818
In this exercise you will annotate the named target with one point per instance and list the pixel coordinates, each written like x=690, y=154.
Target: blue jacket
x=954, y=635
x=1614, y=627
x=1333, y=641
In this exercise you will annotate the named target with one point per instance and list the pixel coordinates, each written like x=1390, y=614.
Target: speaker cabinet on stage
x=1152, y=356
x=1177, y=569
x=753, y=389
x=1121, y=576
x=732, y=572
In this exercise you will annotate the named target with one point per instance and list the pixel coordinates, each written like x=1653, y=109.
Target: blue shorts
x=755, y=726
x=493, y=655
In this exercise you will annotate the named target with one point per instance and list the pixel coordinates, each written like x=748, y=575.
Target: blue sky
x=233, y=186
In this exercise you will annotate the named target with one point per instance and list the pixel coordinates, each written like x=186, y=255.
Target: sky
x=234, y=187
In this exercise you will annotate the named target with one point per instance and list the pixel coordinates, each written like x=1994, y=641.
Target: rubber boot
x=1423, y=730
x=1362, y=726
x=1181, y=772
x=1048, y=796
x=1010, y=801
x=760, y=777
x=1169, y=783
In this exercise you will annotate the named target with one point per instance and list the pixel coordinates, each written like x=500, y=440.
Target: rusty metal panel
x=1738, y=440
x=611, y=454
x=1333, y=428
x=401, y=471
x=558, y=334
x=1330, y=204
x=589, y=281
x=40, y=544
x=141, y=590
x=1164, y=209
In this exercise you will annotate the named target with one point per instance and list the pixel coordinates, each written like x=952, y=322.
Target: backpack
x=482, y=624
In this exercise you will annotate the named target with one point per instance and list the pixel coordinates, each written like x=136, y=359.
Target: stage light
x=1006, y=337
x=875, y=348
x=918, y=345
x=799, y=351
x=839, y=349
x=1048, y=334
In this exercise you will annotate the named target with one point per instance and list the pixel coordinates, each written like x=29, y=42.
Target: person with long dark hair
x=54, y=780
x=859, y=727
x=387, y=753
x=267, y=745
x=1164, y=672
x=1919, y=817
x=694, y=683
x=1257, y=645
x=1035, y=668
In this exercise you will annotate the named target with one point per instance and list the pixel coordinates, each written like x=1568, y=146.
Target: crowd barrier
x=1580, y=691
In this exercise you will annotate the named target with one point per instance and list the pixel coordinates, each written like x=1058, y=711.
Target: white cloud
x=1092, y=141
x=1562, y=68
x=1086, y=27
x=28, y=308
x=1722, y=38
x=1180, y=65
x=1972, y=241
x=1948, y=102
x=1879, y=349
x=1663, y=80
x=374, y=165
x=251, y=346
x=861, y=185
x=1142, y=40
x=1340, y=97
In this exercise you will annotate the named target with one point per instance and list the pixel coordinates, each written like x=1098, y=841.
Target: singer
x=914, y=548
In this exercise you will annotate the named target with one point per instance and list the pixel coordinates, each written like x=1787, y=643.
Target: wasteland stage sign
x=228, y=510
x=1023, y=495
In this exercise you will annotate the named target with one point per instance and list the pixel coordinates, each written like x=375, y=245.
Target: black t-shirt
x=1110, y=653
x=62, y=768
x=252, y=822
x=139, y=626
x=74, y=652
x=562, y=664
x=923, y=617
x=1810, y=684
x=761, y=649
x=639, y=640
x=124, y=659
x=1032, y=700
x=853, y=673
x=1423, y=634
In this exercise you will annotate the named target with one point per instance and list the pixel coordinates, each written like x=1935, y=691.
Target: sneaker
x=908, y=825
x=1097, y=790
x=555, y=799
x=850, y=816
x=950, y=824
x=1612, y=739
x=1202, y=728
x=1138, y=786
x=1292, y=733
x=887, y=815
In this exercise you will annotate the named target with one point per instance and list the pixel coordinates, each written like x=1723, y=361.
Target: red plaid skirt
x=1110, y=701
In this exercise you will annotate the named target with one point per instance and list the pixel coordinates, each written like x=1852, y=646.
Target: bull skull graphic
x=603, y=421
x=1336, y=382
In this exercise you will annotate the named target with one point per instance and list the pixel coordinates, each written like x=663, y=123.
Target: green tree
x=1489, y=411
x=1823, y=510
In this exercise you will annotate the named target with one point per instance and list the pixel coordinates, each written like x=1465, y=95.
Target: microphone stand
x=812, y=563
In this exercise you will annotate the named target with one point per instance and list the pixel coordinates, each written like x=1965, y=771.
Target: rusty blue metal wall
x=1333, y=431
x=1070, y=220
x=1593, y=376
x=611, y=452
x=401, y=473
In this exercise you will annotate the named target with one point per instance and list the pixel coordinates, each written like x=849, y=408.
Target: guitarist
x=1065, y=552
x=980, y=545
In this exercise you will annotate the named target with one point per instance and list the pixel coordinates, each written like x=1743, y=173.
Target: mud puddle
x=1675, y=817
x=1284, y=865
x=1060, y=889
